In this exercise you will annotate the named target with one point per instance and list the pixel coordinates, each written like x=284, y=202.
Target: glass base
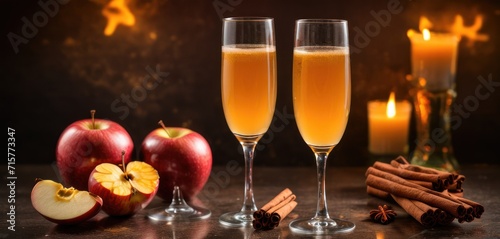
x=320, y=226
x=236, y=219
x=162, y=214
x=179, y=210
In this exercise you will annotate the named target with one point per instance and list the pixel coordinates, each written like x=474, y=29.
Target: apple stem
x=163, y=126
x=125, y=174
x=123, y=161
x=92, y=114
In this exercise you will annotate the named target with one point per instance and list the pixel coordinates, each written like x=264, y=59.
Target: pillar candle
x=433, y=59
x=388, y=134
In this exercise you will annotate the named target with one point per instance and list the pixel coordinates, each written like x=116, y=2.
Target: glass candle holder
x=433, y=58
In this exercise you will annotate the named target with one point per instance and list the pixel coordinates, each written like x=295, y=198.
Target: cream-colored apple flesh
x=64, y=205
x=139, y=176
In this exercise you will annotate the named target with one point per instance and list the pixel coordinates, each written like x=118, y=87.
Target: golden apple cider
x=321, y=93
x=248, y=87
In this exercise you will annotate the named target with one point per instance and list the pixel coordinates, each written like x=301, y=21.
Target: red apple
x=87, y=143
x=126, y=191
x=182, y=157
x=64, y=205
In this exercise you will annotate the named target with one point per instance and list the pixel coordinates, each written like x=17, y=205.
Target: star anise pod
x=383, y=214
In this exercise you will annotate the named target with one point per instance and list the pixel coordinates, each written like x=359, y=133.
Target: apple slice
x=126, y=191
x=64, y=205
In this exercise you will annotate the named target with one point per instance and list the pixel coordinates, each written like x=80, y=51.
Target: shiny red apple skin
x=41, y=187
x=117, y=205
x=80, y=149
x=184, y=161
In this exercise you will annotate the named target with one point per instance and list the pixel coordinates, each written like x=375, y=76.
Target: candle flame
x=424, y=23
x=470, y=32
x=427, y=34
x=410, y=33
x=458, y=28
x=117, y=12
x=391, y=105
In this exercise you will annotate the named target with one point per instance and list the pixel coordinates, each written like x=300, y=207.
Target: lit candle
x=433, y=58
x=388, y=124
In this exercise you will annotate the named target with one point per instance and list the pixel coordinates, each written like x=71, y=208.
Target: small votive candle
x=388, y=125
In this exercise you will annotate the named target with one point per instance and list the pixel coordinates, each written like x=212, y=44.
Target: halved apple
x=126, y=191
x=64, y=205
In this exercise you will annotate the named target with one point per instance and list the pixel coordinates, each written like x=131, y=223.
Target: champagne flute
x=321, y=100
x=248, y=94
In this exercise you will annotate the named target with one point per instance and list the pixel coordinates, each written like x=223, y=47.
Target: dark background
x=70, y=67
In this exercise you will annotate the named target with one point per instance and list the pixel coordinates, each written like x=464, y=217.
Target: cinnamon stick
x=270, y=215
x=276, y=200
x=257, y=225
x=426, y=208
x=399, y=180
x=378, y=193
x=431, y=196
x=397, y=188
x=459, y=177
x=466, y=218
x=425, y=184
x=455, y=186
x=258, y=214
x=279, y=205
x=426, y=218
x=477, y=209
x=457, y=192
x=436, y=181
x=401, y=162
x=281, y=213
x=426, y=215
x=446, y=219
x=447, y=177
x=440, y=216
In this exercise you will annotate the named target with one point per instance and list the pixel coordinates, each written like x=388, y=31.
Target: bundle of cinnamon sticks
x=271, y=214
x=431, y=196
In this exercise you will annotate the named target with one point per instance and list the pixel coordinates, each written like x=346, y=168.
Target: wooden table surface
x=346, y=199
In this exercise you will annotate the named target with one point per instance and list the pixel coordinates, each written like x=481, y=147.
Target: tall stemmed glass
x=321, y=100
x=248, y=93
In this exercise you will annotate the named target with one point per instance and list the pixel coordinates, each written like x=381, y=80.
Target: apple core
x=66, y=193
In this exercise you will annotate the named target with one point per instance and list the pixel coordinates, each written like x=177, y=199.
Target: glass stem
x=321, y=158
x=249, y=202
